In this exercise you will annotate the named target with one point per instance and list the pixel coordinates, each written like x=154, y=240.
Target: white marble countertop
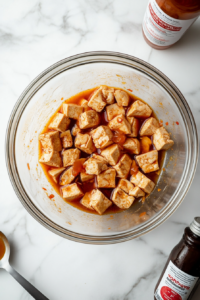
x=33, y=35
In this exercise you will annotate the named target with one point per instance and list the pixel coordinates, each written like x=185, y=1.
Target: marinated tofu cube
x=99, y=157
x=70, y=156
x=71, y=192
x=60, y=122
x=102, y=136
x=123, y=166
x=107, y=179
x=139, y=109
x=99, y=201
x=94, y=166
x=66, y=177
x=134, y=126
x=84, y=104
x=132, y=145
x=125, y=185
x=51, y=158
x=161, y=139
x=122, y=98
x=108, y=94
x=114, y=110
x=75, y=130
x=66, y=139
x=72, y=111
x=143, y=182
x=86, y=177
x=149, y=127
x=119, y=123
x=86, y=201
x=111, y=154
x=97, y=101
x=121, y=199
x=84, y=142
x=137, y=192
x=55, y=173
x=89, y=119
x=51, y=141
x=148, y=162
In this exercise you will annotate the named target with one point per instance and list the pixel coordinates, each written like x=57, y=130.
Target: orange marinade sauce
x=2, y=248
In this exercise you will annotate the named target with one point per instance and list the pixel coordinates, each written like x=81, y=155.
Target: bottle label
x=160, y=29
x=175, y=284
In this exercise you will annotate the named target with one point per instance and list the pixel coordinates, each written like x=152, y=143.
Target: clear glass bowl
x=40, y=100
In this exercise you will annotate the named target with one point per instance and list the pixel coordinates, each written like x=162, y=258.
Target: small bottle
x=166, y=21
x=181, y=274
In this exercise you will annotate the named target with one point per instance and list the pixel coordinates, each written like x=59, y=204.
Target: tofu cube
x=125, y=185
x=149, y=127
x=51, y=158
x=86, y=201
x=114, y=110
x=137, y=192
x=134, y=126
x=94, y=166
x=148, y=162
x=70, y=156
x=66, y=139
x=89, y=119
x=139, y=109
x=107, y=179
x=66, y=177
x=120, y=123
x=102, y=136
x=99, y=201
x=84, y=104
x=123, y=166
x=161, y=139
x=60, y=122
x=75, y=130
x=97, y=101
x=121, y=199
x=111, y=154
x=132, y=145
x=71, y=192
x=86, y=177
x=72, y=111
x=55, y=173
x=121, y=97
x=108, y=94
x=143, y=182
x=99, y=157
x=84, y=142
x=50, y=141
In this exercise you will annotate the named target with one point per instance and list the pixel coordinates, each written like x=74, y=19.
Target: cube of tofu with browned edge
x=132, y=145
x=121, y=199
x=99, y=201
x=161, y=139
x=66, y=177
x=55, y=173
x=86, y=201
x=148, y=162
x=137, y=192
x=97, y=101
x=70, y=156
x=108, y=94
x=125, y=185
x=84, y=142
x=88, y=119
x=134, y=126
x=71, y=192
x=114, y=110
x=72, y=111
x=66, y=139
x=111, y=154
x=84, y=104
x=139, y=109
x=119, y=123
x=95, y=166
x=149, y=127
x=123, y=166
x=60, y=122
x=107, y=179
x=143, y=182
x=102, y=136
x=122, y=98
x=51, y=141
x=51, y=158
x=75, y=130
x=99, y=157
x=86, y=177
